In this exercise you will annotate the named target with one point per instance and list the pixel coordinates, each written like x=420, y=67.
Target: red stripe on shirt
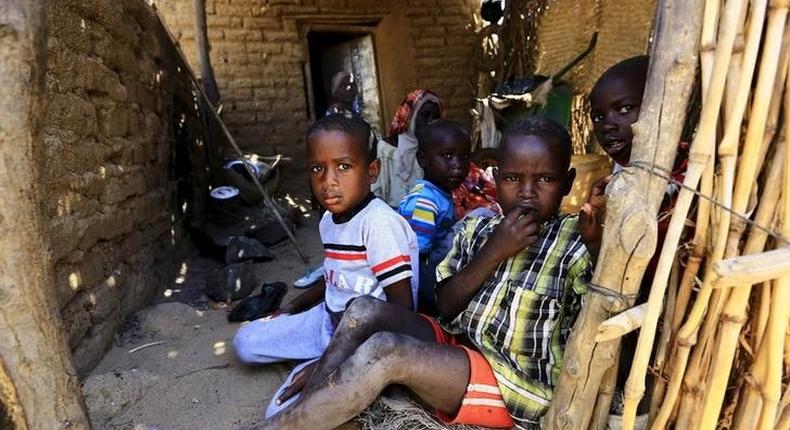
x=391, y=262
x=345, y=257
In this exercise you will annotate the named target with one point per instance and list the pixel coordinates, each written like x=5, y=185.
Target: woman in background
x=398, y=151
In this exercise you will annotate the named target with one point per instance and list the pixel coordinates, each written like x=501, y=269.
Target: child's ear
x=374, y=168
x=569, y=177
x=420, y=157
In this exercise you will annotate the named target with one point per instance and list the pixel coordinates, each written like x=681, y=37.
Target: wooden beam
x=204, y=49
x=751, y=269
x=633, y=199
x=39, y=388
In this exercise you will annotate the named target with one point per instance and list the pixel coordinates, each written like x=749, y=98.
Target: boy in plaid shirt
x=508, y=294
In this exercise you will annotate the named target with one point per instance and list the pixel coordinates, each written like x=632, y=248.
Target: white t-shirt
x=367, y=253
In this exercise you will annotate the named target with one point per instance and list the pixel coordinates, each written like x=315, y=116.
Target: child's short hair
x=349, y=124
x=542, y=127
x=634, y=66
x=438, y=130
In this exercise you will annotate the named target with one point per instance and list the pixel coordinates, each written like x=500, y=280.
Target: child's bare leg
x=364, y=317
x=438, y=374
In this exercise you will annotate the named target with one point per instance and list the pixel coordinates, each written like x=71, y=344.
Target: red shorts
x=482, y=404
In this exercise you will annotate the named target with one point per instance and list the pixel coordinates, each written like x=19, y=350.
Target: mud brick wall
x=258, y=52
x=116, y=98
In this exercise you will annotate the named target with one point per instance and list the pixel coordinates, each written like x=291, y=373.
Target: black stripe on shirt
x=341, y=247
x=402, y=268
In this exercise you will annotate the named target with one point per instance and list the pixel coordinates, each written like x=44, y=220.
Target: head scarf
x=402, y=130
x=476, y=191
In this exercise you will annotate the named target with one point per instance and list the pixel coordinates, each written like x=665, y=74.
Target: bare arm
x=305, y=300
x=400, y=293
x=515, y=233
x=592, y=215
x=454, y=295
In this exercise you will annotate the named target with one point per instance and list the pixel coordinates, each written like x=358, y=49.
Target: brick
x=452, y=20
x=105, y=299
x=264, y=23
x=92, y=346
x=423, y=21
x=422, y=2
x=458, y=41
x=70, y=29
x=114, y=121
x=239, y=118
x=76, y=319
x=232, y=10
x=429, y=42
x=432, y=32
x=103, y=227
x=218, y=21
x=278, y=36
x=267, y=47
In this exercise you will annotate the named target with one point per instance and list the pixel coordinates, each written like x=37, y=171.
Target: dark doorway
x=334, y=51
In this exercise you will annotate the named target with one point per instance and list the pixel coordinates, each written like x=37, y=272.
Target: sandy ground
x=185, y=376
x=191, y=380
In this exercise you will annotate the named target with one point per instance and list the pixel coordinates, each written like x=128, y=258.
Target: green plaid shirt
x=521, y=317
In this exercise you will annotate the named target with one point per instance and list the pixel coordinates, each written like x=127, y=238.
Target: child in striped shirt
x=443, y=152
x=369, y=251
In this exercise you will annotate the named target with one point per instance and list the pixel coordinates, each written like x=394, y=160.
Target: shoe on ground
x=310, y=277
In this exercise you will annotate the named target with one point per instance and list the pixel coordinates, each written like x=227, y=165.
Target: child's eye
x=511, y=178
x=447, y=156
x=596, y=118
x=625, y=109
x=316, y=169
x=344, y=166
x=546, y=179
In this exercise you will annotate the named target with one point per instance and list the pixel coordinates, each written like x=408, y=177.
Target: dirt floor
x=190, y=379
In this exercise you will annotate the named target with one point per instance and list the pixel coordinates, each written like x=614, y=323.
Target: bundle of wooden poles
x=714, y=336
x=721, y=355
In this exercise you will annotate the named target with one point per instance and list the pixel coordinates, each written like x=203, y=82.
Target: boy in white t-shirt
x=369, y=250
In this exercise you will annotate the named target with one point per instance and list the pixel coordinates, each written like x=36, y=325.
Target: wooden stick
x=707, y=57
x=695, y=373
x=772, y=349
x=621, y=324
x=771, y=381
x=748, y=167
x=203, y=48
x=761, y=315
x=751, y=269
x=146, y=345
x=603, y=404
x=662, y=350
x=701, y=150
x=697, y=370
x=710, y=22
x=783, y=418
x=734, y=314
x=776, y=102
x=633, y=199
x=748, y=164
x=734, y=71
